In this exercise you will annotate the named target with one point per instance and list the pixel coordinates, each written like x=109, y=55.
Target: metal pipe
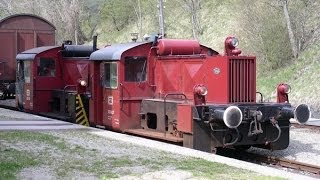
x=94, y=47
x=277, y=138
x=233, y=142
x=261, y=96
x=161, y=19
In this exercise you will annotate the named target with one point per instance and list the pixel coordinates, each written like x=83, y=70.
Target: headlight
x=201, y=90
x=234, y=42
x=83, y=83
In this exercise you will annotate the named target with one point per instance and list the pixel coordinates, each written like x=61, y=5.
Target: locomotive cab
x=36, y=67
x=121, y=81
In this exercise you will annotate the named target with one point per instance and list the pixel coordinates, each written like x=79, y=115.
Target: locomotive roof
x=31, y=53
x=114, y=52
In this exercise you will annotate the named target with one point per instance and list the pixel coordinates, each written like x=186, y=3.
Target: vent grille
x=242, y=80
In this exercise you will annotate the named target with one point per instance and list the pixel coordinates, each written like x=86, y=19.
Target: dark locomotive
x=166, y=89
x=18, y=33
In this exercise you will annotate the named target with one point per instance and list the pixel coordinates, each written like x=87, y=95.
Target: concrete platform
x=13, y=120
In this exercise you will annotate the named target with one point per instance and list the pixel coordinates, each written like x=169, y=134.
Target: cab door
x=25, y=85
x=110, y=94
x=47, y=77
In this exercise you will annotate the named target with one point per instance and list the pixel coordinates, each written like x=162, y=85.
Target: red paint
x=184, y=118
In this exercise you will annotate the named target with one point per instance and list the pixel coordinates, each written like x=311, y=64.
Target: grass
x=302, y=75
x=12, y=161
x=33, y=136
x=66, y=160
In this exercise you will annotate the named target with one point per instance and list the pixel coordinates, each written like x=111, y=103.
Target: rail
x=287, y=163
x=272, y=160
x=307, y=126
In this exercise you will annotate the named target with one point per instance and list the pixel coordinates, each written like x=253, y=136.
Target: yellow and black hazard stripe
x=81, y=115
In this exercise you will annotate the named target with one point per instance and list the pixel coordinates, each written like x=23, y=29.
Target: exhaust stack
x=95, y=39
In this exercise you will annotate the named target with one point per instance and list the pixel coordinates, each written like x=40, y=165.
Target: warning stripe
x=81, y=115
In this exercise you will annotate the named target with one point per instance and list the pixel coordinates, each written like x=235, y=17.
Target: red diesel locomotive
x=166, y=89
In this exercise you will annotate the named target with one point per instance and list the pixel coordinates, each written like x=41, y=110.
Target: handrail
x=261, y=96
x=68, y=86
x=233, y=142
x=121, y=92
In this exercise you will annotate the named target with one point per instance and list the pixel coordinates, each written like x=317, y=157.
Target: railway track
x=291, y=164
x=311, y=169
x=307, y=126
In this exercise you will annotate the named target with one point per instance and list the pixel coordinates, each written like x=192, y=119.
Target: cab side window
x=135, y=69
x=46, y=67
x=111, y=75
x=24, y=68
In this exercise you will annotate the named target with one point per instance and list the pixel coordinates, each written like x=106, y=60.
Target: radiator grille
x=242, y=80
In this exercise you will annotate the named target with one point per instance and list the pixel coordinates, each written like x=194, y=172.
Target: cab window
x=111, y=75
x=135, y=69
x=26, y=71
x=46, y=67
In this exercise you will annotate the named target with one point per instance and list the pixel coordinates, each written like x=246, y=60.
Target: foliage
x=261, y=25
x=118, y=15
x=265, y=29
x=305, y=19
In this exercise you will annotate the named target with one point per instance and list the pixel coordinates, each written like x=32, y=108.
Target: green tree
x=265, y=29
x=118, y=13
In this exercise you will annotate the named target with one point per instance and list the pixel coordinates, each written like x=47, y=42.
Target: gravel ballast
x=304, y=147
